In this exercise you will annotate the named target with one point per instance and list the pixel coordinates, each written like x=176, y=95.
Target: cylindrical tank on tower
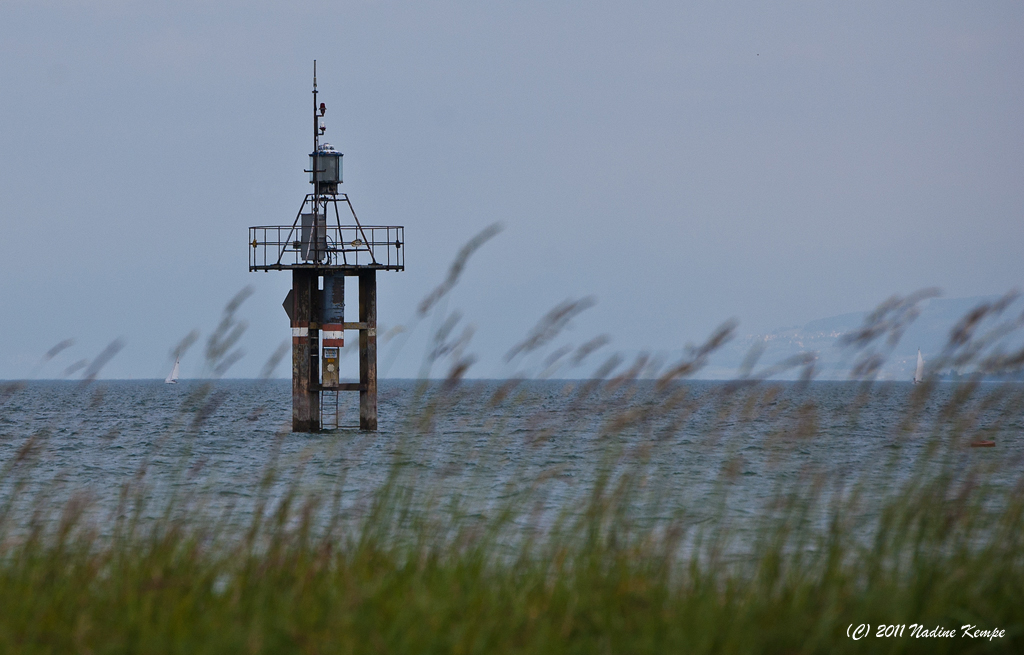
x=325, y=169
x=333, y=309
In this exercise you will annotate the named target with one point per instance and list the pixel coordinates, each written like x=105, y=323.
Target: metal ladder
x=329, y=410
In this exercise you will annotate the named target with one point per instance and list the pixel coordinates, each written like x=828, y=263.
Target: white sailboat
x=919, y=373
x=172, y=377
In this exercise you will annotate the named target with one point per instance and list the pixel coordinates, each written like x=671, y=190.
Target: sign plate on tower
x=289, y=305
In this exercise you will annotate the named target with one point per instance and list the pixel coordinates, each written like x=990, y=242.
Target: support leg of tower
x=305, y=358
x=368, y=350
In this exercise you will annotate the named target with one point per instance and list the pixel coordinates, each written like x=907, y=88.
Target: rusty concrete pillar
x=368, y=350
x=305, y=352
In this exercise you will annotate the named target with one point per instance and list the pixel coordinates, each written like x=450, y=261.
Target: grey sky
x=683, y=162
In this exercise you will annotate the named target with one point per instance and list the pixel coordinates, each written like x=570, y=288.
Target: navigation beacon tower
x=315, y=247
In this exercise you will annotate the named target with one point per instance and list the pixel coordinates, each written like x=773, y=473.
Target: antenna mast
x=316, y=119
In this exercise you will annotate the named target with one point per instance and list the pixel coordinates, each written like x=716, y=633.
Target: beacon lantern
x=325, y=169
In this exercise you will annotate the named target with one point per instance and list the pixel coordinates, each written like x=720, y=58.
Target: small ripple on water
x=97, y=440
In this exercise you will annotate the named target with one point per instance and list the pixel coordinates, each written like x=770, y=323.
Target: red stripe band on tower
x=332, y=334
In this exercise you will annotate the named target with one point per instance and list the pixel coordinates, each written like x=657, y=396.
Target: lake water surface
x=484, y=439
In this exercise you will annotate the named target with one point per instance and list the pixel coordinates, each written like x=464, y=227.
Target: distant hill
x=930, y=332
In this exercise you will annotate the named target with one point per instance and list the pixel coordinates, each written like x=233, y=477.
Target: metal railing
x=274, y=247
